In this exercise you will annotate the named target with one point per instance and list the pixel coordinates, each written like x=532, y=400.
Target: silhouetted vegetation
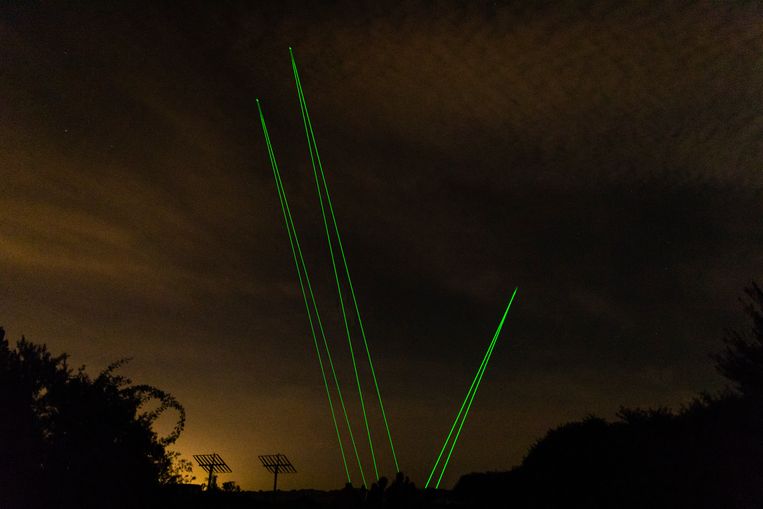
x=231, y=487
x=69, y=440
x=709, y=454
x=742, y=360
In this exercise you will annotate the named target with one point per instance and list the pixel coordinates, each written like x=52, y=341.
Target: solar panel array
x=277, y=463
x=212, y=463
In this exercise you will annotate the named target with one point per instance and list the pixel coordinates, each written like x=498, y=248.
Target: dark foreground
x=190, y=497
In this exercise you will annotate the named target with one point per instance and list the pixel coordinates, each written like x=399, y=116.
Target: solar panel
x=212, y=464
x=280, y=462
x=277, y=464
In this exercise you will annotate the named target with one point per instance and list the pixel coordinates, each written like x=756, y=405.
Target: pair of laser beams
x=313, y=147
x=310, y=302
x=467, y=404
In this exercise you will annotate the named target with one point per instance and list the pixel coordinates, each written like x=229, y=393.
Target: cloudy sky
x=604, y=157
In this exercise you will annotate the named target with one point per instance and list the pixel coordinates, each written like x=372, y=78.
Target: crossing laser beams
x=467, y=403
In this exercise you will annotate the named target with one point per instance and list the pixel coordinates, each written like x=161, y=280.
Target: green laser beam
x=325, y=343
x=341, y=299
x=483, y=368
x=279, y=184
x=304, y=297
x=339, y=291
x=322, y=331
x=313, y=145
x=468, y=399
x=476, y=388
x=320, y=326
x=297, y=253
x=460, y=412
x=342, y=306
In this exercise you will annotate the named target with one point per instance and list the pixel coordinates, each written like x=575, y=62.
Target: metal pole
x=275, y=480
x=209, y=483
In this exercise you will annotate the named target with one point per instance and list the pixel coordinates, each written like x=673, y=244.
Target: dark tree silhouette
x=68, y=440
x=742, y=360
x=231, y=487
x=707, y=455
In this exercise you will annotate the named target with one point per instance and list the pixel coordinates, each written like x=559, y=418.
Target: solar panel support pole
x=275, y=464
x=212, y=463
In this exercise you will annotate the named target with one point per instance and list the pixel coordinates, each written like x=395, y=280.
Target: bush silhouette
x=69, y=440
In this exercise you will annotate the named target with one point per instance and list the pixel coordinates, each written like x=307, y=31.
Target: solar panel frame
x=212, y=463
x=277, y=462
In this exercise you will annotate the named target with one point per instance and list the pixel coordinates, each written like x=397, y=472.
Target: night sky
x=604, y=157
